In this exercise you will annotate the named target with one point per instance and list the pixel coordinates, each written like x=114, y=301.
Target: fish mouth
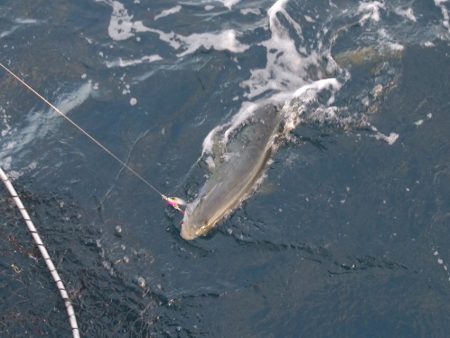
x=186, y=234
x=196, y=225
x=192, y=232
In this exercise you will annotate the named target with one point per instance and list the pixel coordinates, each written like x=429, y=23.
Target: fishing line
x=172, y=201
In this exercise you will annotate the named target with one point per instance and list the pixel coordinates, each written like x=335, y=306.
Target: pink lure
x=175, y=203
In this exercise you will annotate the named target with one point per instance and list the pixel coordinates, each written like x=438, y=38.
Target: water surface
x=346, y=237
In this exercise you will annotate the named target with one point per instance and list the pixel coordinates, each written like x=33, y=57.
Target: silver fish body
x=238, y=167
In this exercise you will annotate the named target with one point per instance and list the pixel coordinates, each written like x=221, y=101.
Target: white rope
x=44, y=253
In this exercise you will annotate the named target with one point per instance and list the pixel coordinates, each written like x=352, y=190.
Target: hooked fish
x=240, y=161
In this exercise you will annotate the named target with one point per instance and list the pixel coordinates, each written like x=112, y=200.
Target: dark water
x=346, y=237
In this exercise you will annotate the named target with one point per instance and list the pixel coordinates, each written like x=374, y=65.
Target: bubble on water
x=141, y=282
x=133, y=101
x=441, y=262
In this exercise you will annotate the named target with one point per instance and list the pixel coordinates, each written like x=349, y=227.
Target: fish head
x=190, y=231
x=196, y=221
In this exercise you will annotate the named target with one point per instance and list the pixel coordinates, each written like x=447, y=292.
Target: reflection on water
x=341, y=212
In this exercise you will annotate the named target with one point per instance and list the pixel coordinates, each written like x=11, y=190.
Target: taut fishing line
x=174, y=202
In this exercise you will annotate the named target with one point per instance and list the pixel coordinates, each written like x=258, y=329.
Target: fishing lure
x=175, y=202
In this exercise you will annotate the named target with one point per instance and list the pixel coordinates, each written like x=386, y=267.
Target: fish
x=369, y=55
x=241, y=155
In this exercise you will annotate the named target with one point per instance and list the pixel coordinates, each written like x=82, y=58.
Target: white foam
x=19, y=23
x=133, y=62
x=172, y=39
x=225, y=40
x=8, y=32
x=247, y=11
x=246, y=111
x=428, y=44
x=421, y=121
x=15, y=174
x=39, y=123
x=208, y=142
x=5, y=131
x=441, y=262
x=210, y=162
x=406, y=13
x=386, y=41
x=133, y=101
x=284, y=78
x=6, y=162
x=308, y=18
x=395, y=46
x=230, y=3
x=444, y=11
x=26, y=21
x=168, y=12
x=5, y=122
x=370, y=11
x=286, y=67
x=121, y=25
x=318, y=86
x=389, y=139
x=275, y=25
x=70, y=101
x=294, y=111
x=305, y=95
